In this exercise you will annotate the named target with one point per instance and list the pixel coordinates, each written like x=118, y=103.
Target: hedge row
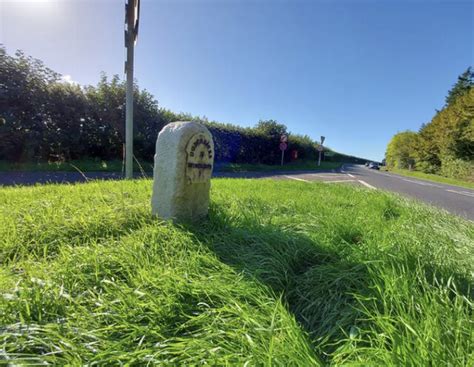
x=45, y=119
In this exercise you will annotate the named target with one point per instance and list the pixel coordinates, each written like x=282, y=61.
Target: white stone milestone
x=182, y=174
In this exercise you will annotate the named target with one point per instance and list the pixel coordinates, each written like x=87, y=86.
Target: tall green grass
x=290, y=166
x=281, y=273
x=435, y=178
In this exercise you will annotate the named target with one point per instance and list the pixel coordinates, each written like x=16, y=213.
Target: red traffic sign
x=284, y=138
x=283, y=146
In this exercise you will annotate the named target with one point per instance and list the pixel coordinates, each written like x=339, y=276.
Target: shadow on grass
x=316, y=283
x=319, y=282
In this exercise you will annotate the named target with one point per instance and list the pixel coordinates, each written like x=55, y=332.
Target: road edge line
x=337, y=181
x=297, y=179
x=465, y=193
x=367, y=185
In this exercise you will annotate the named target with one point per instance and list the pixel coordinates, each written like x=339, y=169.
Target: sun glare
x=27, y=7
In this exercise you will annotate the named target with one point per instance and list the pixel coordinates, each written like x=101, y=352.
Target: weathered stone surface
x=184, y=161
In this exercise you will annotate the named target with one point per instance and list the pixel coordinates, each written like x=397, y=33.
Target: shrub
x=457, y=168
x=45, y=119
x=426, y=167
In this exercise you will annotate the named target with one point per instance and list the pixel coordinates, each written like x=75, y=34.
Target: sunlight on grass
x=292, y=166
x=282, y=273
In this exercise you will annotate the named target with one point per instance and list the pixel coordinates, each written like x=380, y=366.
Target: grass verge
x=83, y=165
x=91, y=165
x=281, y=273
x=433, y=178
x=293, y=166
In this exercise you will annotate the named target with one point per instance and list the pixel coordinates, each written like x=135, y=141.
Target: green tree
x=445, y=145
x=67, y=110
x=463, y=85
x=449, y=134
x=24, y=101
x=271, y=128
x=401, y=150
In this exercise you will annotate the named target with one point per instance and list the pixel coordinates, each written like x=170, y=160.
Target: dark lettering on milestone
x=199, y=165
x=204, y=142
x=200, y=156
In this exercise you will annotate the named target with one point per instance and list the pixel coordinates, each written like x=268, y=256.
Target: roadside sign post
x=283, y=146
x=320, y=149
x=132, y=10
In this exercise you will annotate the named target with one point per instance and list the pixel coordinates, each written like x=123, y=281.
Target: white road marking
x=465, y=193
x=415, y=182
x=297, y=179
x=327, y=175
x=336, y=181
x=367, y=185
x=350, y=175
x=411, y=181
x=332, y=181
x=420, y=183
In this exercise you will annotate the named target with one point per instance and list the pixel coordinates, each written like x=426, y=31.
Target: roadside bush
x=426, y=167
x=457, y=168
x=47, y=120
x=234, y=144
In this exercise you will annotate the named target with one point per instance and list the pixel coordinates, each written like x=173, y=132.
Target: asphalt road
x=455, y=199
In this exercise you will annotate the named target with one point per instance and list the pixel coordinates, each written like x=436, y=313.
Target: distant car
x=367, y=164
x=373, y=165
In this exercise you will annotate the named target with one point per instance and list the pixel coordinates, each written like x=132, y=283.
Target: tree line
x=445, y=145
x=44, y=118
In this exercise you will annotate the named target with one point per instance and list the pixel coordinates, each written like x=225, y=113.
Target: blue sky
x=354, y=71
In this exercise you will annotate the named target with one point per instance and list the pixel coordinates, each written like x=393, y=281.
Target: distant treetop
x=463, y=85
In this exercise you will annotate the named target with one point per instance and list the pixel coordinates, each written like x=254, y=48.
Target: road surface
x=455, y=199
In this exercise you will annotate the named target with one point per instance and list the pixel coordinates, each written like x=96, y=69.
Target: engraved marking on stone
x=199, y=159
x=199, y=165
